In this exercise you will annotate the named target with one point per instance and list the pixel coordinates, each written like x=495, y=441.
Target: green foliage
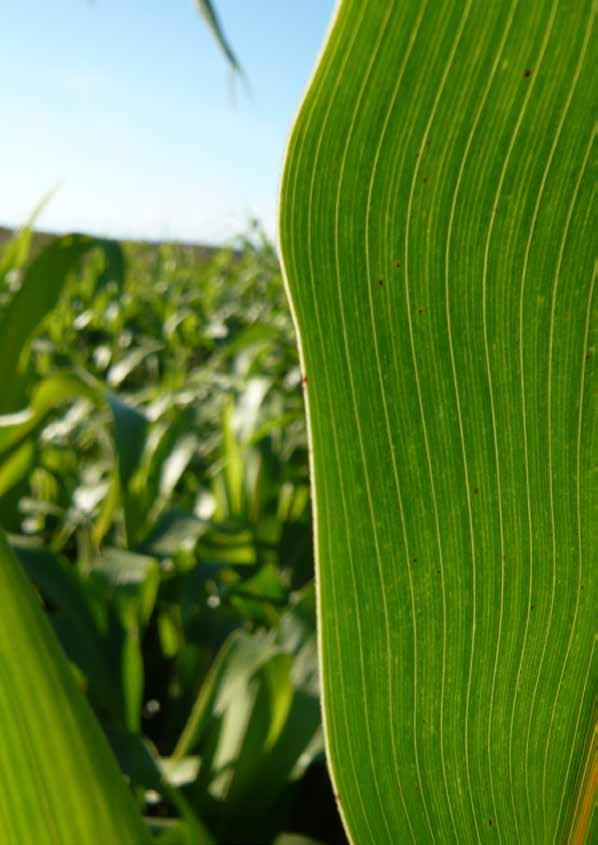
x=59, y=782
x=436, y=213
x=37, y=293
x=154, y=481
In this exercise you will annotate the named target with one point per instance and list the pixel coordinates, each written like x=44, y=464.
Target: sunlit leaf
x=72, y=618
x=16, y=465
x=42, y=285
x=58, y=779
x=435, y=225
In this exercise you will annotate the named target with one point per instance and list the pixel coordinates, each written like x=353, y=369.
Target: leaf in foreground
x=59, y=782
x=435, y=217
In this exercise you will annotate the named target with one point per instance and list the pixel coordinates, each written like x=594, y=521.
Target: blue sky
x=127, y=107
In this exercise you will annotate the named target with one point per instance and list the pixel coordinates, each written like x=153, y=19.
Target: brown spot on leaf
x=528, y=72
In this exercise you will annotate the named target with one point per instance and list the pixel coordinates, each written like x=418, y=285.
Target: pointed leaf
x=59, y=781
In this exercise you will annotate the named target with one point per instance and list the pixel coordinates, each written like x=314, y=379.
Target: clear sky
x=127, y=106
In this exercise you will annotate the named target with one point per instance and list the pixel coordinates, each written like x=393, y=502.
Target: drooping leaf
x=129, y=428
x=435, y=224
x=46, y=395
x=208, y=11
x=40, y=290
x=59, y=781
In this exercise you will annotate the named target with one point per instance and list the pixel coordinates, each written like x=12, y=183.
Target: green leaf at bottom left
x=59, y=782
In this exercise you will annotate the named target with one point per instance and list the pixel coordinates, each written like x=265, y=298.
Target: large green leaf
x=59, y=782
x=435, y=217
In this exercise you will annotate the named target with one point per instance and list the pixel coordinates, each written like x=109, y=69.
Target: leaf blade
x=207, y=10
x=52, y=747
x=422, y=178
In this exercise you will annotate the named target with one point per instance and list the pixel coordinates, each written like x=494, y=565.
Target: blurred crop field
x=154, y=482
